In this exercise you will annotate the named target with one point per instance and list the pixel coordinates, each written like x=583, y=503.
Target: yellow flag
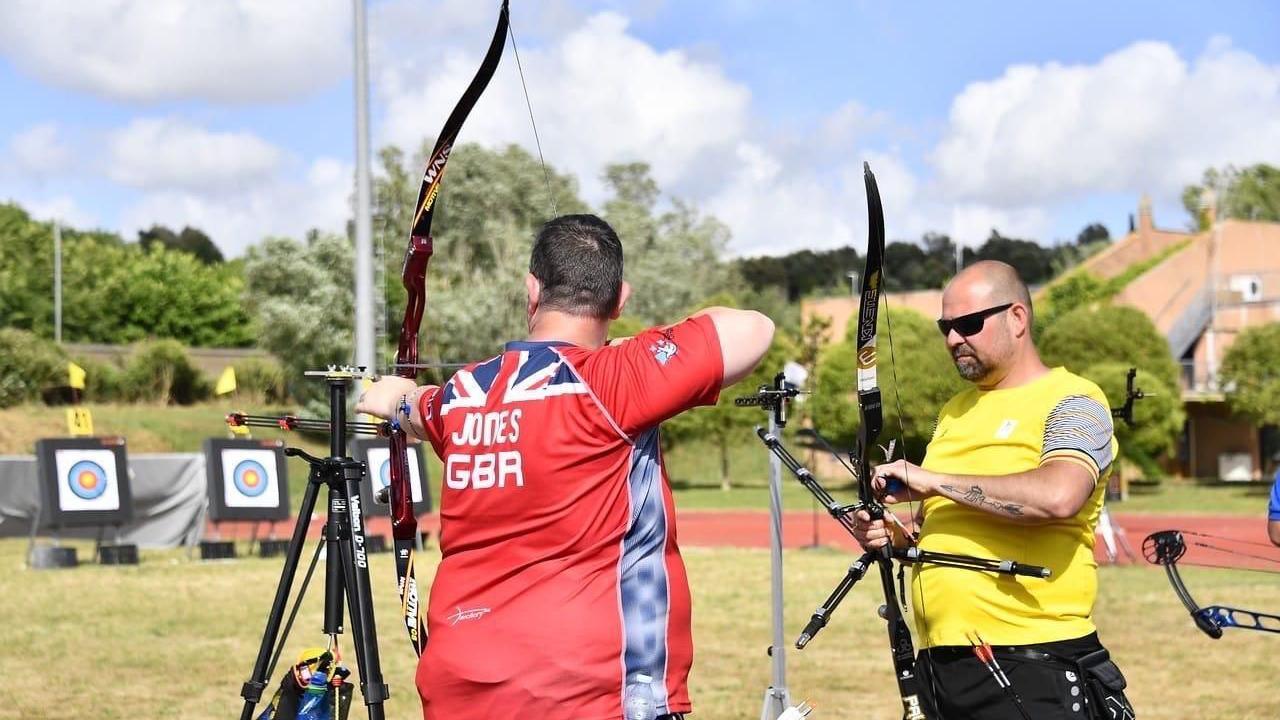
x=75, y=376
x=226, y=382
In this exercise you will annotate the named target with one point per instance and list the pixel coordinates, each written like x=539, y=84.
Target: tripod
x=773, y=400
x=346, y=565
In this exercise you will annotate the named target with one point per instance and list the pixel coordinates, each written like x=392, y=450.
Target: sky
x=1036, y=119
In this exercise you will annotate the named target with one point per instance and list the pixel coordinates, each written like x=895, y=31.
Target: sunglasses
x=972, y=323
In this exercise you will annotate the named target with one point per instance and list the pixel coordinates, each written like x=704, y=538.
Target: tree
x=802, y=273
x=1251, y=193
x=913, y=389
x=116, y=292
x=190, y=240
x=300, y=295
x=1090, y=335
x=915, y=267
x=1092, y=233
x=1033, y=262
x=1249, y=372
x=672, y=259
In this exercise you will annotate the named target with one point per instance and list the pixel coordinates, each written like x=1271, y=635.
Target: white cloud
x=1141, y=119
x=169, y=154
x=40, y=151
x=279, y=205
x=221, y=51
x=600, y=96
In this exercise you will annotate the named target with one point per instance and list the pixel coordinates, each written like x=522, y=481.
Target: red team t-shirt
x=560, y=577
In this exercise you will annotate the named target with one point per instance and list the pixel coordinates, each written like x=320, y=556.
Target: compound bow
x=404, y=525
x=1166, y=548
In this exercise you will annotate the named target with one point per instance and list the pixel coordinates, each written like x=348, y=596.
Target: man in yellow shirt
x=1016, y=469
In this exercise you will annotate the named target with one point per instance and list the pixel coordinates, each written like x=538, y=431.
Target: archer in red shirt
x=560, y=579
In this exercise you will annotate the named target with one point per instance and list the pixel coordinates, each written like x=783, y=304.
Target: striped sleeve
x=1079, y=430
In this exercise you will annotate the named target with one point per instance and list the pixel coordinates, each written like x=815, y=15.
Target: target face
x=249, y=478
x=87, y=480
x=380, y=458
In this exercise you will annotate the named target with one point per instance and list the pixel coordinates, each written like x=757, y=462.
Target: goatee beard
x=970, y=367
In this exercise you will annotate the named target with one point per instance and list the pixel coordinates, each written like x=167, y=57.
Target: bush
x=1088, y=336
x=262, y=379
x=103, y=382
x=160, y=371
x=28, y=364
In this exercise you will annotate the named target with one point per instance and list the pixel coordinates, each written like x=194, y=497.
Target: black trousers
x=1065, y=680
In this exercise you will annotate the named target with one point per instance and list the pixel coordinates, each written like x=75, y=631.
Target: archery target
x=249, y=478
x=87, y=480
x=380, y=458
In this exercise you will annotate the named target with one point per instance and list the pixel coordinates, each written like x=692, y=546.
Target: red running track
x=750, y=529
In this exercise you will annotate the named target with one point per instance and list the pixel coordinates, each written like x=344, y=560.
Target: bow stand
x=773, y=400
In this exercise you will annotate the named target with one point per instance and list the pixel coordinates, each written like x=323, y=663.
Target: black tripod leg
x=823, y=614
x=251, y=691
x=355, y=566
x=335, y=536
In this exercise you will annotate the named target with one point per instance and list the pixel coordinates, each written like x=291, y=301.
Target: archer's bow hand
x=870, y=534
x=901, y=481
x=384, y=398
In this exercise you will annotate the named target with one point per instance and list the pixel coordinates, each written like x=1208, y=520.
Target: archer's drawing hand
x=870, y=534
x=901, y=481
x=382, y=399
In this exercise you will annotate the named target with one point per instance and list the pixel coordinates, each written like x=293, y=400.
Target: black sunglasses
x=972, y=323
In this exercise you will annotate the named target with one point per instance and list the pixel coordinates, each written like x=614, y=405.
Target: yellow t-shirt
x=1057, y=416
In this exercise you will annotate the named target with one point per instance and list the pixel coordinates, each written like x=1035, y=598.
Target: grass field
x=176, y=638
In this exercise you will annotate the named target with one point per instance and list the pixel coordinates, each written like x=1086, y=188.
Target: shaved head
x=991, y=282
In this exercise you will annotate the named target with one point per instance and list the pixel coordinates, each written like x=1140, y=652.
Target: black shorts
x=1064, y=680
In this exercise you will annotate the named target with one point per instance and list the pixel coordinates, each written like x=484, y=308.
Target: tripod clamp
x=772, y=399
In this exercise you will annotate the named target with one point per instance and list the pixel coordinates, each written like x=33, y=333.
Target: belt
x=949, y=653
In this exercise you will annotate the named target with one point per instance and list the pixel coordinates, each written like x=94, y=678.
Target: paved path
x=750, y=529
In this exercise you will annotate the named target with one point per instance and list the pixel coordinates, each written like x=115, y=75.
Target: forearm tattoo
x=977, y=498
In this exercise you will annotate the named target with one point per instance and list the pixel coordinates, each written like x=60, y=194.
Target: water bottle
x=637, y=702
x=314, y=704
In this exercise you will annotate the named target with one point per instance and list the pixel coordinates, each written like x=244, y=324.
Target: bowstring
x=1231, y=540
x=528, y=103
x=916, y=576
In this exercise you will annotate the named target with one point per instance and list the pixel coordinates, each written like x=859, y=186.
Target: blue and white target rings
x=87, y=480
x=250, y=478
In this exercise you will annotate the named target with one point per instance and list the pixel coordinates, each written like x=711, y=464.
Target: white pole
x=57, y=282
x=365, y=352
x=777, y=698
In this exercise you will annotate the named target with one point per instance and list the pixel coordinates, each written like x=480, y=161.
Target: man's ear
x=623, y=295
x=534, y=288
x=1022, y=318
